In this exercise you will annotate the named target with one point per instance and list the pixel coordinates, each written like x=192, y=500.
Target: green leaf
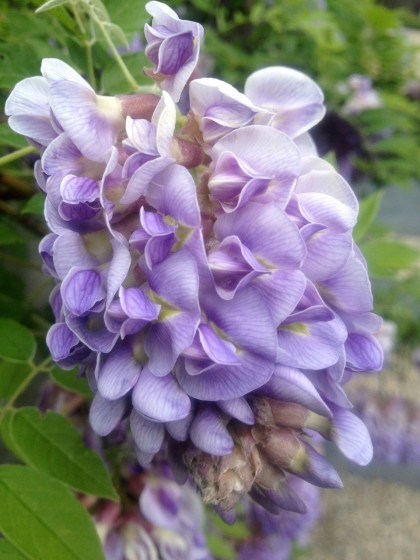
x=42, y=519
x=8, y=234
x=17, y=342
x=368, y=210
x=9, y=552
x=11, y=376
x=127, y=15
x=385, y=257
x=50, y=5
x=113, y=81
x=6, y=433
x=10, y=138
x=35, y=205
x=220, y=548
x=69, y=380
x=237, y=531
x=51, y=444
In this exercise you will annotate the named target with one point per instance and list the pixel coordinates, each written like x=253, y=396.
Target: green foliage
x=42, y=519
x=12, y=375
x=388, y=256
x=9, y=552
x=71, y=381
x=51, y=444
x=17, y=342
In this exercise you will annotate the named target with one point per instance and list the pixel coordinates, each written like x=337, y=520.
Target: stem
x=17, y=155
x=42, y=367
x=127, y=74
x=87, y=44
x=91, y=69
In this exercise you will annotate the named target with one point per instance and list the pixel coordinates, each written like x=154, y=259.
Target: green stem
x=87, y=44
x=127, y=74
x=17, y=155
x=91, y=69
x=36, y=369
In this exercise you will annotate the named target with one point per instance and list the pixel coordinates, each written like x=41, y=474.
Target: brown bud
x=281, y=446
x=270, y=477
x=139, y=106
x=222, y=481
x=187, y=153
x=272, y=412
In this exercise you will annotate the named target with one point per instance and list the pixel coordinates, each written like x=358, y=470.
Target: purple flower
x=273, y=535
x=167, y=525
x=206, y=277
x=173, y=47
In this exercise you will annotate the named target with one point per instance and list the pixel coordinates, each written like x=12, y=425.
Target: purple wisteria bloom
x=207, y=281
x=173, y=46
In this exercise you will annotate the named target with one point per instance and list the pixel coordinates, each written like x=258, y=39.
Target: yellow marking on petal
x=170, y=221
x=299, y=461
x=222, y=335
x=166, y=309
x=297, y=328
x=266, y=264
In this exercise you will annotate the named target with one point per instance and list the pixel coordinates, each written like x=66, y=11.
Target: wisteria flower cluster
x=207, y=281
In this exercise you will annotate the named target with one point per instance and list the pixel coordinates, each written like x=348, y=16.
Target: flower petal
x=119, y=372
x=148, y=435
x=160, y=398
x=105, y=415
x=209, y=433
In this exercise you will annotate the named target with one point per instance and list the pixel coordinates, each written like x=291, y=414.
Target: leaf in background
x=11, y=376
x=15, y=65
x=220, y=548
x=117, y=34
x=6, y=433
x=50, y=5
x=35, y=205
x=51, y=444
x=69, y=380
x=9, y=552
x=18, y=344
x=368, y=210
x=385, y=257
x=10, y=138
x=127, y=15
x=113, y=81
x=41, y=517
x=237, y=531
x=9, y=234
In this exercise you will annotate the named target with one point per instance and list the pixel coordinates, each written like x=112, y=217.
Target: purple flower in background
x=168, y=523
x=207, y=281
x=271, y=535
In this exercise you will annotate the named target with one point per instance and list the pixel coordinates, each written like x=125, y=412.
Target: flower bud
x=281, y=446
x=139, y=106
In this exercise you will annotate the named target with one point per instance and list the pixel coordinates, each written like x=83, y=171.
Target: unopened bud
x=187, y=153
x=222, y=481
x=281, y=446
x=139, y=106
x=272, y=412
x=270, y=477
